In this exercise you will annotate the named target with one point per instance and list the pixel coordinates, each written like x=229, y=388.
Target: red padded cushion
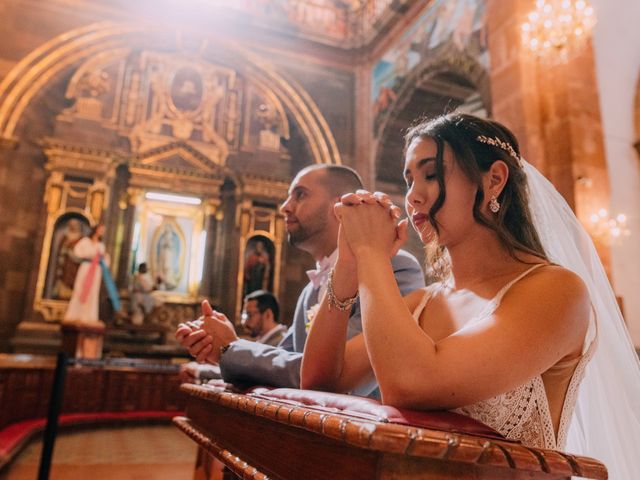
x=370, y=409
x=14, y=435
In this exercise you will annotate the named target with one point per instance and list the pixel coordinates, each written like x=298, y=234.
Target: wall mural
x=453, y=23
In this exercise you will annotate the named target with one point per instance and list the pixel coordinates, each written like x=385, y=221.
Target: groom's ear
x=496, y=178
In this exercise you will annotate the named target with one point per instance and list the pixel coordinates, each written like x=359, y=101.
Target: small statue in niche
x=142, y=300
x=91, y=86
x=268, y=138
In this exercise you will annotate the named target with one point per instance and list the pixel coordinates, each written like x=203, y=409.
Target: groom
x=312, y=227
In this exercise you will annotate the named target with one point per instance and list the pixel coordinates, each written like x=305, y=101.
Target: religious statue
x=268, y=137
x=83, y=306
x=142, y=300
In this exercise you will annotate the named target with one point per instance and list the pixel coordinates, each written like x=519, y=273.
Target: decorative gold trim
x=101, y=59
x=63, y=158
x=197, y=214
x=247, y=214
x=8, y=143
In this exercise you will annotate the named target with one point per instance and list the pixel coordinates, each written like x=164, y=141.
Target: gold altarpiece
x=174, y=121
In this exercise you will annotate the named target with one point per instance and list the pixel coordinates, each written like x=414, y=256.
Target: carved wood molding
x=233, y=462
x=398, y=439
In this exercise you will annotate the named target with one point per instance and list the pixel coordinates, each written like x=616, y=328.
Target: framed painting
x=170, y=238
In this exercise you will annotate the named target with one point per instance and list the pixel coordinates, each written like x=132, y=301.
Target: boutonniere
x=311, y=315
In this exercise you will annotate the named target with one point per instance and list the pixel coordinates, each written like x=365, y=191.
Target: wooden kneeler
x=293, y=434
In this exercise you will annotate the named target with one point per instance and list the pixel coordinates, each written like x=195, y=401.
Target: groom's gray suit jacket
x=247, y=362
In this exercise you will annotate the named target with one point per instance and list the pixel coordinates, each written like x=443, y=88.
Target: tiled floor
x=156, y=452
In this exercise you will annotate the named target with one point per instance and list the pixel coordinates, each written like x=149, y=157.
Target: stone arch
x=442, y=82
x=55, y=57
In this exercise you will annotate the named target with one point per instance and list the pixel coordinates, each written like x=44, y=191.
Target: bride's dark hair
x=513, y=223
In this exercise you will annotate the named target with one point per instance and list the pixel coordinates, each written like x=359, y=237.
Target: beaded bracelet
x=343, y=306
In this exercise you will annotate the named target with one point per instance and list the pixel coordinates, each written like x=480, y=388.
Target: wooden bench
x=293, y=434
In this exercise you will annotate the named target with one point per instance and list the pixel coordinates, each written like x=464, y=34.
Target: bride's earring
x=494, y=205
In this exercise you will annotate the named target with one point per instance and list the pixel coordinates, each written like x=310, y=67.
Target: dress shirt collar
x=274, y=331
x=319, y=276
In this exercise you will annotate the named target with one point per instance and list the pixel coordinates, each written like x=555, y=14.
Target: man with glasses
x=260, y=318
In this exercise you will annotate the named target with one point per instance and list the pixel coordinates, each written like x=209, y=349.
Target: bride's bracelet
x=343, y=306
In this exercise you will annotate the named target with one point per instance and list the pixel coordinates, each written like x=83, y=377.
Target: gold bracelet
x=343, y=306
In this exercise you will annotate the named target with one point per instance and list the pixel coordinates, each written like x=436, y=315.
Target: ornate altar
x=180, y=146
x=290, y=434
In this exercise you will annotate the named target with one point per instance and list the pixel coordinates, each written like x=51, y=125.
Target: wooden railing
x=257, y=436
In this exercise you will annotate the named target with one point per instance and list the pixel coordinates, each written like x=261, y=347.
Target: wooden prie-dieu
x=298, y=434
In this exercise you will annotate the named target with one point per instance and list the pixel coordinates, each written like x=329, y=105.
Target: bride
x=510, y=333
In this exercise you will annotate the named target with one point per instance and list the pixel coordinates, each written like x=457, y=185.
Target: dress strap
x=498, y=298
x=420, y=307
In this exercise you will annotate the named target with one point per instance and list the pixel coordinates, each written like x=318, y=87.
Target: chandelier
x=557, y=27
x=608, y=228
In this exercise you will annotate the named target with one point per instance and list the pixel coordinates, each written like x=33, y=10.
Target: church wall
x=21, y=213
x=617, y=57
x=575, y=123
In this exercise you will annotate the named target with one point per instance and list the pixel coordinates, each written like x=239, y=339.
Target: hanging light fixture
x=607, y=228
x=558, y=27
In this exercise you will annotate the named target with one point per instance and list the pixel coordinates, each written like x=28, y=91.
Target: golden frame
x=194, y=243
x=52, y=310
x=248, y=229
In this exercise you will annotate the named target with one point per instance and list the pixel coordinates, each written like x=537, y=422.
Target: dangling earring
x=494, y=205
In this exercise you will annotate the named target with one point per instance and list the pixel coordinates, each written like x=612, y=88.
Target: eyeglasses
x=244, y=316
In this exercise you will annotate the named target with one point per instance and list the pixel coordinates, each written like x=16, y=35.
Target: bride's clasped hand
x=369, y=223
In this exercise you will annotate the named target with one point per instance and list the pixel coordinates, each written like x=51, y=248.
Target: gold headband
x=496, y=142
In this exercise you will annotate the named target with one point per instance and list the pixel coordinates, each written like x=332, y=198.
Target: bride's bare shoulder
x=557, y=278
x=552, y=290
